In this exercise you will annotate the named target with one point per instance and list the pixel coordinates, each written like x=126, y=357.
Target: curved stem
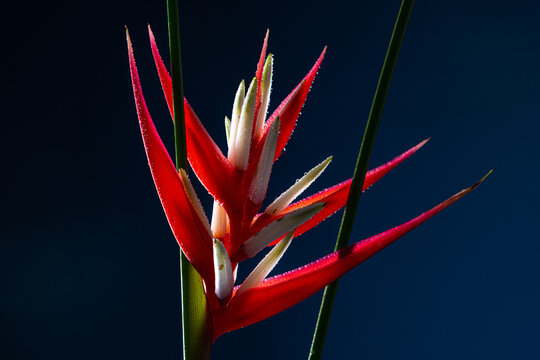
x=362, y=163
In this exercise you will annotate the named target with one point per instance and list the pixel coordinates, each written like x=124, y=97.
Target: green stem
x=177, y=84
x=196, y=332
x=362, y=163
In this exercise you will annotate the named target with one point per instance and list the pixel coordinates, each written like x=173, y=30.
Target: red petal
x=335, y=197
x=164, y=77
x=283, y=291
x=376, y=174
x=185, y=224
x=207, y=160
x=212, y=168
x=290, y=108
x=258, y=73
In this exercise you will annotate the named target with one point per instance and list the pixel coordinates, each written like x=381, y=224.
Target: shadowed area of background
x=88, y=265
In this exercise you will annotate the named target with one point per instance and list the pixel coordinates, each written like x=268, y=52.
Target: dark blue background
x=88, y=265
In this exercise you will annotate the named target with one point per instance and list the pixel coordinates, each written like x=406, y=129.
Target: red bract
x=238, y=183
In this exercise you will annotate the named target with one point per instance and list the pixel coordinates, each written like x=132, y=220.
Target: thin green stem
x=360, y=170
x=195, y=320
x=177, y=84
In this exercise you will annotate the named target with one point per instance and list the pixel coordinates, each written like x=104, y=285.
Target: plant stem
x=177, y=85
x=195, y=319
x=362, y=163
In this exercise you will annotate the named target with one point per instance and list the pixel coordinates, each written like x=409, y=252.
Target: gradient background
x=88, y=265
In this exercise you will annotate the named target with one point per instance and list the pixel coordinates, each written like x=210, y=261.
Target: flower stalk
x=195, y=318
x=360, y=170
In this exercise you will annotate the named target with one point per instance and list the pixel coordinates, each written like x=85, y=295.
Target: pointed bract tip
x=288, y=196
x=267, y=264
x=482, y=179
x=464, y=192
x=220, y=221
x=420, y=144
x=268, y=62
x=264, y=94
x=239, y=98
x=130, y=47
x=243, y=134
x=265, y=41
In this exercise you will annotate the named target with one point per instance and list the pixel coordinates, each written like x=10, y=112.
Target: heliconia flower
x=238, y=183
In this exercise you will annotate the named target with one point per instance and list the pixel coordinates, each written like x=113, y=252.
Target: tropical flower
x=238, y=183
